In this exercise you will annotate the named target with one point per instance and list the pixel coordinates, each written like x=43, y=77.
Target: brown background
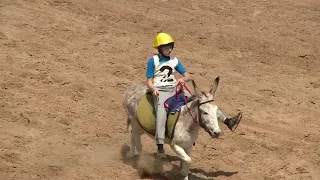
x=64, y=66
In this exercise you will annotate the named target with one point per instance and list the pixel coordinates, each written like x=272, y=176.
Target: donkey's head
x=207, y=110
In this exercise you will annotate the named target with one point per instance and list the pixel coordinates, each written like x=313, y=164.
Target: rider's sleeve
x=180, y=68
x=150, y=68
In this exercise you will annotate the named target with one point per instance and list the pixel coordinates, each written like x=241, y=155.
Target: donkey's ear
x=197, y=91
x=215, y=86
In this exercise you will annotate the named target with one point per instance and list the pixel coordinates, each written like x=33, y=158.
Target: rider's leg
x=161, y=117
x=232, y=122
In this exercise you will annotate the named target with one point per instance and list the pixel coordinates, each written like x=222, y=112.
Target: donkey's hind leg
x=137, y=138
x=132, y=151
x=135, y=141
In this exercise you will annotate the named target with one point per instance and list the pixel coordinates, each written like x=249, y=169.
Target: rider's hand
x=155, y=91
x=181, y=80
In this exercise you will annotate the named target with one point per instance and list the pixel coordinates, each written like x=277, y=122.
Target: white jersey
x=164, y=72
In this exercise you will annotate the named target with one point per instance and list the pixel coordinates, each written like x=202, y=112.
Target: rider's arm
x=150, y=74
x=150, y=84
x=186, y=77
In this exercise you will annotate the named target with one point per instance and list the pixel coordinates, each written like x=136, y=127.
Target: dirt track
x=64, y=65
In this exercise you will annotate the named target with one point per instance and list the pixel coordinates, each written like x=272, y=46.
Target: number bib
x=164, y=72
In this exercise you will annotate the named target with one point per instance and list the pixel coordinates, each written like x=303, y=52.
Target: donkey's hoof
x=130, y=154
x=124, y=150
x=185, y=173
x=142, y=172
x=186, y=178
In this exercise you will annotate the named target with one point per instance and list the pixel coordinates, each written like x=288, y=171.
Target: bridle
x=195, y=120
x=199, y=121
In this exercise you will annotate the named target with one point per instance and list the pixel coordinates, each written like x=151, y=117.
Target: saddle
x=147, y=116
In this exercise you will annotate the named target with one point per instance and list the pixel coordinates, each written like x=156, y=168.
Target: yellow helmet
x=162, y=39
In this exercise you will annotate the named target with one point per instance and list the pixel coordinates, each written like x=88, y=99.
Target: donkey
x=202, y=112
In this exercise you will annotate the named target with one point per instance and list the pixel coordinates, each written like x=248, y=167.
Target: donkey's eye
x=205, y=113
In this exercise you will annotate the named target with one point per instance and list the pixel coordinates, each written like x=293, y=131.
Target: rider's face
x=166, y=49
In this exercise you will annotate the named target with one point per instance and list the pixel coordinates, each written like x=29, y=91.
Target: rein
x=183, y=86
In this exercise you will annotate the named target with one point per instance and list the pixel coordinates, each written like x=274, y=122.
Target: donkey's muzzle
x=214, y=134
x=217, y=133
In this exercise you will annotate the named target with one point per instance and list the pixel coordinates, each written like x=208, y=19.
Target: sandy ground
x=64, y=66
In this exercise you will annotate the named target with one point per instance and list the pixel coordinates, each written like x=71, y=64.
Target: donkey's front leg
x=185, y=171
x=180, y=152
